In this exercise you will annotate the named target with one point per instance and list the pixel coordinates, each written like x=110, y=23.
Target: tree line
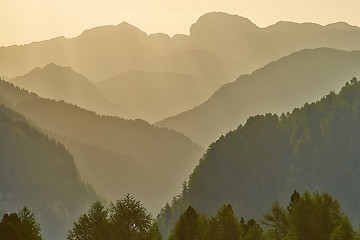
x=311, y=216
x=308, y=217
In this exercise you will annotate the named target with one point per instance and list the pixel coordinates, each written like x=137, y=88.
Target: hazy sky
x=23, y=21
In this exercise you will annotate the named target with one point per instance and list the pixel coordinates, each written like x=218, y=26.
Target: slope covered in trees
x=39, y=172
x=312, y=148
x=158, y=153
x=278, y=87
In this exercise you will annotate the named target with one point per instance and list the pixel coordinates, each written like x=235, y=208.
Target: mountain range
x=131, y=112
x=219, y=48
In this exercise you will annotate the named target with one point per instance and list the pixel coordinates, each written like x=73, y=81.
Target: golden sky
x=24, y=21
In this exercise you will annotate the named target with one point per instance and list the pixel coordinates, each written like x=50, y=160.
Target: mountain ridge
x=250, y=94
x=154, y=95
x=63, y=83
x=219, y=48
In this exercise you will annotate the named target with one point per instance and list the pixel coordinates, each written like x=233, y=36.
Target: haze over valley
x=231, y=130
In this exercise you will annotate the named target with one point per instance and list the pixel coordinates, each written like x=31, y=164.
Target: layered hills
x=280, y=86
x=234, y=41
x=144, y=153
x=219, y=48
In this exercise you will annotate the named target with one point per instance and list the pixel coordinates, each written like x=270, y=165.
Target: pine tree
x=154, y=233
x=224, y=225
x=276, y=221
x=129, y=219
x=187, y=227
x=30, y=229
x=20, y=226
x=93, y=225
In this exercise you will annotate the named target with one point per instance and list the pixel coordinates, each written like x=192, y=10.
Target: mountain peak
x=53, y=68
x=289, y=26
x=106, y=30
x=218, y=21
x=340, y=26
x=293, y=27
x=52, y=65
x=52, y=72
x=126, y=24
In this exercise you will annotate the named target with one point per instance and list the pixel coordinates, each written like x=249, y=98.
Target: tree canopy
x=124, y=219
x=20, y=226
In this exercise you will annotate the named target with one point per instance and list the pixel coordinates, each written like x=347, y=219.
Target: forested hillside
x=40, y=173
x=315, y=147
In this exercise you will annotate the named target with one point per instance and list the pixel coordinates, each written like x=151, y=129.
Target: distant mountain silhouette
x=106, y=51
x=220, y=48
x=244, y=47
x=63, y=83
x=241, y=46
x=155, y=95
x=278, y=87
x=120, y=145
x=40, y=173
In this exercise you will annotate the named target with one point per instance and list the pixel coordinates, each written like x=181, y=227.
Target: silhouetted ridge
x=112, y=31
x=278, y=87
x=220, y=48
x=220, y=21
x=293, y=27
x=63, y=83
x=341, y=26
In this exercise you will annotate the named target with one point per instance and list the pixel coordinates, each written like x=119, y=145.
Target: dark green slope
x=314, y=148
x=40, y=173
